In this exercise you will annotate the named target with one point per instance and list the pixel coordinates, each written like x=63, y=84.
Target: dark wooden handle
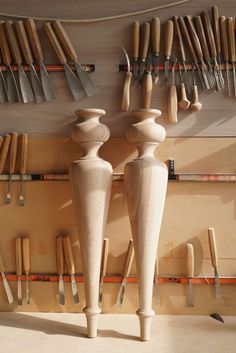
x=55, y=43
x=24, y=43
x=168, y=38
x=5, y=50
x=216, y=28
x=224, y=39
x=187, y=39
x=179, y=39
x=135, y=37
x=34, y=40
x=209, y=34
x=194, y=37
x=24, y=153
x=4, y=152
x=155, y=35
x=13, y=152
x=145, y=37
x=201, y=35
x=231, y=38
x=64, y=40
x=12, y=40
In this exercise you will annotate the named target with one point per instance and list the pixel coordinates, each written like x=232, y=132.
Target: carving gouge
x=216, y=31
x=147, y=84
x=12, y=164
x=19, y=269
x=231, y=43
x=23, y=166
x=155, y=40
x=87, y=83
x=145, y=37
x=71, y=267
x=26, y=264
x=60, y=269
x=214, y=258
x=195, y=105
x=103, y=271
x=4, y=152
x=135, y=36
x=190, y=272
x=128, y=265
x=126, y=90
x=168, y=41
x=5, y=282
x=225, y=48
x=172, y=106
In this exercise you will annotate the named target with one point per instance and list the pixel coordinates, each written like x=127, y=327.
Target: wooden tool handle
x=126, y=92
x=24, y=153
x=60, y=257
x=135, y=37
x=2, y=268
x=195, y=105
x=201, y=35
x=213, y=248
x=24, y=43
x=146, y=91
x=13, y=43
x=18, y=257
x=168, y=38
x=68, y=255
x=231, y=38
x=155, y=35
x=194, y=37
x=13, y=151
x=145, y=37
x=55, y=43
x=190, y=261
x=26, y=254
x=183, y=102
x=105, y=252
x=34, y=40
x=179, y=39
x=216, y=28
x=224, y=38
x=209, y=34
x=64, y=40
x=187, y=39
x=5, y=50
x=172, y=104
x=4, y=152
x=129, y=259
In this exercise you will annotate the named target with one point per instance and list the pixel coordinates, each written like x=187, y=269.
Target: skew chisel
x=144, y=43
x=190, y=272
x=5, y=282
x=214, y=259
x=168, y=41
x=135, y=38
x=60, y=269
x=26, y=265
x=71, y=267
x=155, y=40
x=225, y=49
x=19, y=269
x=103, y=271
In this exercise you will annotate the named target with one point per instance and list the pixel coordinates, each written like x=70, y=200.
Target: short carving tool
x=183, y=102
x=126, y=90
x=103, y=271
x=23, y=166
x=225, y=49
x=144, y=44
x=87, y=83
x=190, y=272
x=32, y=33
x=71, y=266
x=73, y=81
x=195, y=105
x=3, y=86
x=128, y=265
x=4, y=152
x=19, y=269
x=26, y=91
x=172, y=106
x=26, y=265
x=168, y=41
x=216, y=32
x=135, y=38
x=147, y=84
x=28, y=59
x=214, y=259
x=60, y=269
x=5, y=282
x=12, y=164
x=13, y=95
x=155, y=40
x=231, y=43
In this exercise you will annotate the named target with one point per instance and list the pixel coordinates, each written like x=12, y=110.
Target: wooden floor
x=65, y=333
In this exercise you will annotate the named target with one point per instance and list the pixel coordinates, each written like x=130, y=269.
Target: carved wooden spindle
x=145, y=182
x=91, y=179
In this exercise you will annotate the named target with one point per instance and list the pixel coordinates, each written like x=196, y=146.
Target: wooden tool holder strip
x=51, y=68
x=123, y=67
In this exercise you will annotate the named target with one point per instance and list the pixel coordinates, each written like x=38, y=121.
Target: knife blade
x=5, y=282
x=71, y=267
x=103, y=271
x=214, y=259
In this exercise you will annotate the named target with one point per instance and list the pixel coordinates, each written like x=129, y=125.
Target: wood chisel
x=147, y=84
x=26, y=265
x=183, y=102
x=214, y=258
x=103, y=271
x=144, y=44
x=190, y=272
x=60, y=269
x=12, y=164
x=126, y=272
x=195, y=105
x=231, y=43
x=216, y=32
x=126, y=90
x=135, y=38
x=32, y=33
x=87, y=83
x=23, y=166
x=19, y=269
x=168, y=41
x=225, y=49
x=71, y=267
x=26, y=91
x=155, y=40
x=3, y=85
x=5, y=282
x=172, y=106
x=4, y=152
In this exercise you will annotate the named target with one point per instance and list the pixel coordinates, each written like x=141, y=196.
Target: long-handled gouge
x=126, y=90
x=190, y=272
x=60, y=269
x=231, y=43
x=214, y=258
x=172, y=106
x=216, y=32
x=128, y=265
x=23, y=166
x=5, y=282
x=71, y=267
x=183, y=102
x=144, y=43
x=155, y=40
x=103, y=271
x=26, y=265
x=225, y=49
x=195, y=105
x=4, y=152
x=168, y=41
x=19, y=269
x=12, y=164
x=135, y=38
x=147, y=84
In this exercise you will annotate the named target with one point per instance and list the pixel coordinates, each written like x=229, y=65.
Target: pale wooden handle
x=60, y=257
x=224, y=38
x=55, y=43
x=105, y=252
x=18, y=257
x=172, y=104
x=64, y=40
x=13, y=151
x=2, y=268
x=168, y=38
x=146, y=91
x=202, y=37
x=155, y=34
x=195, y=106
x=183, y=100
x=129, y=259
x=231, y=38
x=68, y=255
x=190, y=261
x=135, y=38
x=187, y=39
x=194, y=37
x=209, y=34
x=4, y=152
x=24, y=43
x=14, y=46
x=179, y=39
x=24, y=153
x=126, y=92
x=26, y=254
x=213, y=248
x=34, y=40
x=5, y=50
x=145, y=37
x=216, y=28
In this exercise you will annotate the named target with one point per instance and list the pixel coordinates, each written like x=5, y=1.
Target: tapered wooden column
x=91, y=179
x=145, y=182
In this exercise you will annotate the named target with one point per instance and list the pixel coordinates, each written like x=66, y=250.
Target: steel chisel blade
x=87, y=83
x=74, y=290
x=7, y=288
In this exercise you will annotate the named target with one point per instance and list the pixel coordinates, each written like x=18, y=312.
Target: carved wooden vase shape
x=145, y=182
x=91, y=179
